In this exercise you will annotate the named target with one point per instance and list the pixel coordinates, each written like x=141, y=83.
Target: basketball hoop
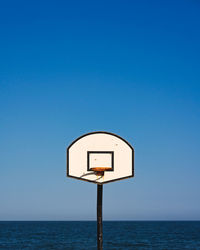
x=100, y=170
x=100, y=157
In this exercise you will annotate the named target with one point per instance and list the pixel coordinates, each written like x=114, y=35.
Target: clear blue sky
x=72, y=67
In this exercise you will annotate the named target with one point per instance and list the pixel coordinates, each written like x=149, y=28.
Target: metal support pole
x=99, y=217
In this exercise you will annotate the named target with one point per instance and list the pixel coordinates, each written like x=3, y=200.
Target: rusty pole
x=99, y=217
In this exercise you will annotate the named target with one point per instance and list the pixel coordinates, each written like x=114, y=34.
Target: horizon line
x=103, y=220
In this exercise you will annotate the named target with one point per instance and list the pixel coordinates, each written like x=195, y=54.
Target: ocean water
x=116, y=235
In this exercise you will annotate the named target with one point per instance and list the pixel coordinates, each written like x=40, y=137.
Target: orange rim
x=101, y=169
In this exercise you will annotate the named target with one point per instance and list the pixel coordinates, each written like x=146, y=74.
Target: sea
x=161, y=235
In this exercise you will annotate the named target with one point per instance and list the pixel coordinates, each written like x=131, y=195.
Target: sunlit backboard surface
x=100, y=150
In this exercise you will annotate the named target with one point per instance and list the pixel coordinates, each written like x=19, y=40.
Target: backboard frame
x=91, y=181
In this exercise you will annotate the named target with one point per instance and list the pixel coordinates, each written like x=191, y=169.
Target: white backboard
x=99, y=150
